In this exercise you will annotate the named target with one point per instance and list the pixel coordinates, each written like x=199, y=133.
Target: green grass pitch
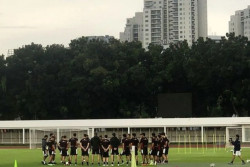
x=177, y=158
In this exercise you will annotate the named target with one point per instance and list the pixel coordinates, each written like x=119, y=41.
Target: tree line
x=96, y=79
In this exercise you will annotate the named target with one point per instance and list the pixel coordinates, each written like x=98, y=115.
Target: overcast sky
x=58, y=21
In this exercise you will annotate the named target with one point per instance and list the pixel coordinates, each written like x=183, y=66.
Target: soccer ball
x=67, y=163
x=248, y=161
x=212, y=165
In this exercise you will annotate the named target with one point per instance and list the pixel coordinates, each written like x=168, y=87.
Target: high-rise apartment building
x=134, y=29
x=166, y=21
x=240, y=23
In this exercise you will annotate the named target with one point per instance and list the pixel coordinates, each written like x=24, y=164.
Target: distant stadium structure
x=195, y=130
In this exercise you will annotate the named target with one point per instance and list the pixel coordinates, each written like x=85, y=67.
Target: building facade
x=134, y=29
x=167, y=21
x=240, y=23
x=105, y=38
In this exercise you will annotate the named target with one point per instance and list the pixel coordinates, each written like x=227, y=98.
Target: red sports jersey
x=135, y=142
x=63, y=144
x=144, y=142
x=73, y=142
x=105, y=143
x=127, y=143
x=84, y=142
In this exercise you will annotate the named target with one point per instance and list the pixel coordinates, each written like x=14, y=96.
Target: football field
x=177, y=158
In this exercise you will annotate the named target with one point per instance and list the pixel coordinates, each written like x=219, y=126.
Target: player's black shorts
x=51, y=152
x=159, y=153
x=45, y=153
x=64, y=152
x=115, y=151
x=144, y=151
x=73, y=151
x=136, y=151
x=85, y=153
x=96, y=151
x=105, y=154
x=165, y=151
x=153, y=152
x=122, y=153
x=101, y=152
x=127, y=152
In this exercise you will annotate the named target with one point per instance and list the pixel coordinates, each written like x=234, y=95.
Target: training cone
x=15, y=165
x=133, y=160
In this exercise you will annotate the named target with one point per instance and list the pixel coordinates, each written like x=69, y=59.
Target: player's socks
x=87, y=163
x=243, y=162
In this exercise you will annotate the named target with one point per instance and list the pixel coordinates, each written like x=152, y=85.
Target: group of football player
x=103, y=147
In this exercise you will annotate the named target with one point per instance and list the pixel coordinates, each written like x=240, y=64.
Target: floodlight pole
x=58, y=135
x=93, y=132
x=30, y=137
x=165, y=129
x=202, y=134
x=243, y=134
x=227, y=134
x=23, y=136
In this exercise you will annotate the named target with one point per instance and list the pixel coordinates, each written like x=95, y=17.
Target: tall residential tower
x=166, y=21
x=134, y=29
x=240, y=23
